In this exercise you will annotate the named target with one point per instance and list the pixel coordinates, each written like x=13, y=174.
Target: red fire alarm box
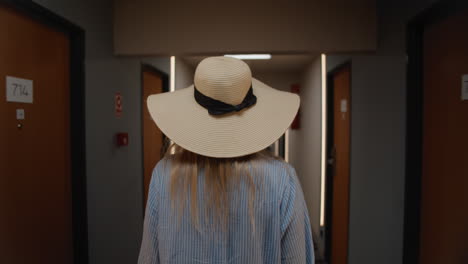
x=122, y=139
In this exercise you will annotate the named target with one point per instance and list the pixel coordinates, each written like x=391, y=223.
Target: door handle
x=332, y=161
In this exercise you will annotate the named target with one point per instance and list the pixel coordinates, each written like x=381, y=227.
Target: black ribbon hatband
x=216, y=107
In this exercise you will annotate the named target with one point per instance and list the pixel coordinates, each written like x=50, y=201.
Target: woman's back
x=278, y=231
x=218, y=198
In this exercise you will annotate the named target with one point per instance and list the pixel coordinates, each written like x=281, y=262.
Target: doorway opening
x=43, y=169
x=338, y=164
x=153, y=81
x=436, y=145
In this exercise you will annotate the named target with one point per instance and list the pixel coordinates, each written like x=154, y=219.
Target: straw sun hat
x=225, y=113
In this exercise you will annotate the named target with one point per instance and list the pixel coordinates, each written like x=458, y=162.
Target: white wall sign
x=464, y=93
x=344, y=106
x=19, y=90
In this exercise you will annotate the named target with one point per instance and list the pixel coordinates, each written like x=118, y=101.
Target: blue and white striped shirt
x=282, y=232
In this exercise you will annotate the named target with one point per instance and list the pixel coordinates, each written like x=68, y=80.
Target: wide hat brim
x=235, y=134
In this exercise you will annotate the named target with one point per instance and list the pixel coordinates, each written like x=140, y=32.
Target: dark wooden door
x=152, y=136
x=35, y=183
x=339, y=160
x=444, y=200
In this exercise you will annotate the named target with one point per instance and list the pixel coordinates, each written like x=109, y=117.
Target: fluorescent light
x=324, y=140
x=286, y=145
x=172, y=89
x=249, y=56
x=172, y=86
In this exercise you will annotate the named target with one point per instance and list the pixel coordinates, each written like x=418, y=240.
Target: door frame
x=76, y=37
x=330, y=140
x=414, y=120
x=165, y=88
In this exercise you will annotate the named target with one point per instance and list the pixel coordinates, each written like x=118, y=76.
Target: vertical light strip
x=172, y=85
x=172, y=88
x=276, y=148
x=286, y=146
x=324, y=140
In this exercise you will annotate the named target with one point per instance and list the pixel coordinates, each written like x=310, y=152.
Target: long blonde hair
x=222, y=175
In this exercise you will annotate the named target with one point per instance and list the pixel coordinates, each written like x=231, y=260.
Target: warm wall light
x=249, y=56
x=172, y=77
x=286, y=146
x=172, y=88
x=324, y=140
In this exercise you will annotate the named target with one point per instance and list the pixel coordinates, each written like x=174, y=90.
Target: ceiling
x=277, y=63
x=177, y=27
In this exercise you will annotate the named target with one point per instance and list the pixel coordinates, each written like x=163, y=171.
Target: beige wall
x=183, y=74
x=278, y=80
x=305, y=143
x=143, y=27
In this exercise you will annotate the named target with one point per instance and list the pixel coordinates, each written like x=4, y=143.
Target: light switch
x=464, y=91
x=20, y=114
